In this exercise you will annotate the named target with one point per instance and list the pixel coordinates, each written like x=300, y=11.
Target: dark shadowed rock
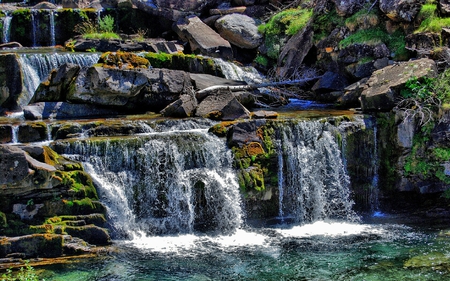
x=203, y=81
x=422, y=43
x=13, y=93
x=221, y=105
x=294, y=52
x=202, y=38
x=32, y=132
x=37, y=245
x=239, y=30
x=383, y=87
x=5, y=133
x=444, y=7
x=64, y=110
x=351, y=95
x=330, y=82
x=243, y=133
x=90, y=233
x=348, y=7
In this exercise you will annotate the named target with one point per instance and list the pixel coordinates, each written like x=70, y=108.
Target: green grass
x=105, y=36
x=430, y=21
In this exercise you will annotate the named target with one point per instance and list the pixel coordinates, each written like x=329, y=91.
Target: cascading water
x=234, y=72
x=52, y=28
x=34, y=27
x=172, y=181
x=6, y=27
x=37, y=67
x=315, y=184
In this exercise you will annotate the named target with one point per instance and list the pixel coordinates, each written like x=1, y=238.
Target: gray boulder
x=239, y=30
x=348, y=7
x=221, y=105
x=202, y=38
x=13, y=93
x=106, y=86
x=383, y=87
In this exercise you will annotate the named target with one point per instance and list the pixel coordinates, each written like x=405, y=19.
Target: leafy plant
x=106, y=24
x=26, y=273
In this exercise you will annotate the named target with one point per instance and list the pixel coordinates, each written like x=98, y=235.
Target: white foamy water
x=334, y=229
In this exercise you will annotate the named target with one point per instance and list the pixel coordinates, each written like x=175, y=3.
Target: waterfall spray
x=52, y=28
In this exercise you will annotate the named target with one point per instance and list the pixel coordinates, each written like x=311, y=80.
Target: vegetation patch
x=281, y=26
x=104, y=29
x=430, y=20
x=123, y=60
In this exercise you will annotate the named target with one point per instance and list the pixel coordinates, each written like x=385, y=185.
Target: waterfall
x=374, y=194
x=34, y=27
x=37, y=67
x=52, y=28
x=234, y=72
x=173, y=181
x=6, y=27
x=315, y=184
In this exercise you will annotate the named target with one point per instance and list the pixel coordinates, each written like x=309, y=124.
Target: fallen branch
x=237, y=88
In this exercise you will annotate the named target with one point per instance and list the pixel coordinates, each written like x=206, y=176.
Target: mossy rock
x=188, y=63
x=3, y=220
x=222, y=128
x=433, y=260
x=38, y=245
x=32, y=132
x=90, y=233
x=68, y=130
x=123, y=60
x=79, y=184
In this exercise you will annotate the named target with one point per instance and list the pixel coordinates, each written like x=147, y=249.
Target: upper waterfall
x=37, y=66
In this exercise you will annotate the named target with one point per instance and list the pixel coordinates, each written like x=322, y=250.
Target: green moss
x=79, y=183
x=430, y=21
x=3, y=220
x=363, y=19
x=324, y=23
x=284, y=24
x=434, y=260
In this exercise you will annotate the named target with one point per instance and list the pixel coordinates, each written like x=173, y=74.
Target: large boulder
x=202, y=38
x=104, y=86
x=183, y=107
x=239, y=30
x=348, y=7
x=383, y=87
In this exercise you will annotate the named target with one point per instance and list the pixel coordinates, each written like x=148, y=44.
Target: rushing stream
x=176, y=214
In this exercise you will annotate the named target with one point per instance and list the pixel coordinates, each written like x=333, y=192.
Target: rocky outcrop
x=239, y=30
x=202, y=39
x=383, y=88
x=149, y=45
x=135, y=89
x=65, y=110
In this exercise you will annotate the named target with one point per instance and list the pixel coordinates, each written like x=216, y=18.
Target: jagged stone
x=351, y=95
x=221, y=105
x=57, y=85
x=243, y=133
x=239, y=30
x=382, y=88
x=202, y=38
x=330, y=82
x=183, y=107
x=422, y=43
x=348, y=7
x=294, y=52
x=400, y=10
x=444, y=7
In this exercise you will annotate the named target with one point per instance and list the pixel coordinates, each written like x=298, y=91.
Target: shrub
x=26, y=273
x=106, y=24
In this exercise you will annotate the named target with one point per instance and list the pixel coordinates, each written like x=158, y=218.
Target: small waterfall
x=52, y=28
x=6, y=27
x=234, y=72
x=34, y=27
x=162, y=182
x=37, y=67
x=374, y=194
x=315, y=184
x=15, y=131
x=280, y=179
